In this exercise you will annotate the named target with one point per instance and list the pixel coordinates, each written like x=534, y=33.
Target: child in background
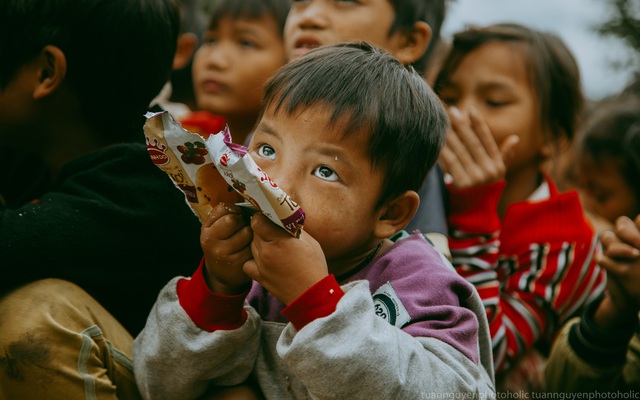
x=514, y=95
x=242, y=47
x=600, y=352
x=177, y=96
x=608, y=159
x=73, y=94
x=343, y=311
x=408, y=29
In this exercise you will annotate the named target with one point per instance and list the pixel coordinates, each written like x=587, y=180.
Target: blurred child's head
x=192, y=23
x=349, y=132
x=112, y=56
x=521, y=81
x=609, y=159
x=408, y=29
x=242, y=47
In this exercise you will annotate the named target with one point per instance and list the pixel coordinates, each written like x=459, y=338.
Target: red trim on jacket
x=210, y=311
x=319, y=301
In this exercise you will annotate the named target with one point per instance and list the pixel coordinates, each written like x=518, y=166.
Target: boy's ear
x=414, y=43
x=52, y=70
x=185, y=49
x=396, y=214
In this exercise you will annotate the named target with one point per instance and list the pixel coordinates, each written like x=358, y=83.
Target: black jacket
x=113, y=223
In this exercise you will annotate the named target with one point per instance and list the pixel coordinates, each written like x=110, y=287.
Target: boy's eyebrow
x=337, y=154
x=264, y=127
x=247, y=31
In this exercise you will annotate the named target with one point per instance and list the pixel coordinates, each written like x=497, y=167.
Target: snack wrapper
x=214, y=169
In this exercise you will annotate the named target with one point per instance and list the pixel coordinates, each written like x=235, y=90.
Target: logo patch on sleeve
x=388, y=306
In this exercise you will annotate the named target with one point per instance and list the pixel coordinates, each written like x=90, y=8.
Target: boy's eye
x=266, y=151
x=248, y=43
x=602, y=197
x=209, y=39
x=326, y=173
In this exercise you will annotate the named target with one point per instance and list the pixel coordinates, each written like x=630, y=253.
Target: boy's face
x=330, y=177
x=232, y=66
x=315, y=23
x=605, y=191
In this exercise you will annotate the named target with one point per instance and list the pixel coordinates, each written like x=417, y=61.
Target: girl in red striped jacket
x=514, y=98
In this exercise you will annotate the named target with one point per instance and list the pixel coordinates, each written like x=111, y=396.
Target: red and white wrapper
x=188, y=158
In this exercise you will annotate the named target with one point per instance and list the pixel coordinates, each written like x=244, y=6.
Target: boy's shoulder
x=414, y=266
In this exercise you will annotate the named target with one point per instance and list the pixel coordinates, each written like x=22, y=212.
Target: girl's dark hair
x=613, y=131
x=251, y=9
x=376, y=95
x=552, y=68
x=119, y=52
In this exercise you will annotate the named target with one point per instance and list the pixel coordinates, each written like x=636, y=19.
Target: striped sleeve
x=533, y=270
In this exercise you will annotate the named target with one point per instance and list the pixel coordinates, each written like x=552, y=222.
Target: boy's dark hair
x=119, y=52
x=613, y=131
x=250, y=9
x=408, y=12
x=192, y=17
x=375, y=94
x=552, y=68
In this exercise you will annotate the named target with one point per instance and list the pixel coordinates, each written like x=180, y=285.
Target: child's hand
x=225, y=239
x=286, y=266
x=471, y=155
x=621, y=259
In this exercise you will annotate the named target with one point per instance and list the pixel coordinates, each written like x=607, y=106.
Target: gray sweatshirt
x=407, y=327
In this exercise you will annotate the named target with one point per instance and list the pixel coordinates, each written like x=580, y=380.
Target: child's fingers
x=469, y=147
x=456, y=145
x=616, y=249
x=452, y=166
x=628, y=231
x=613, y=267
x=265, y=229
x=622, y=251
x=485, y=162
x=226, y=232
x=218, y=211
x=606, y=263
x=250, y=268
x=239, y=241
x=488, y=142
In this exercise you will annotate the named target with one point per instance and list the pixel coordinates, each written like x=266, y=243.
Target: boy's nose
x=217, y=56
x=284, y=181
x=312, y=15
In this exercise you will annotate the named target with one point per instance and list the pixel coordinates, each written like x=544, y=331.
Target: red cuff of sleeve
x=210, y=311
x=319, y=301
x=475, y=209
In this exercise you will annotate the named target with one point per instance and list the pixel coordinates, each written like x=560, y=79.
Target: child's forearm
x=171, y=343
x=210, y=311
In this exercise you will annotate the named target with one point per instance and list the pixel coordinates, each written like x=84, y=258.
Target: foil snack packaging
x=213, y=169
